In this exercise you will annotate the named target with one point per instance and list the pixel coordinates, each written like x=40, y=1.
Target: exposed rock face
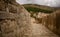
x=14, y=20
x=52, y=22
x=39, y=16
x=58, y=22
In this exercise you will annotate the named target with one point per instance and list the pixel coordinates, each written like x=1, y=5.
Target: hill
x=40, y=8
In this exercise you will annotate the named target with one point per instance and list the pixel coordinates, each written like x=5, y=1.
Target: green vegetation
x=37, y=10
x=34, y=9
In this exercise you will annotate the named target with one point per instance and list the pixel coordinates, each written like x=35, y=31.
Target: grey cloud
x=52, y=3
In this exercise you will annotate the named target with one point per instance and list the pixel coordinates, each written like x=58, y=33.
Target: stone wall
x=58, y=22
x=52, y=22
x=14, y=20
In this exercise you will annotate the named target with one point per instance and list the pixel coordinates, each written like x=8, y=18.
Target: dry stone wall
x=14, y=20
x=52, y=22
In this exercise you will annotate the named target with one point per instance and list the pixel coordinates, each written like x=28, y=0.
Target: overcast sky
x=52, y=3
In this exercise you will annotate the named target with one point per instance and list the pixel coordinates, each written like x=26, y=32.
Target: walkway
x=38, y=30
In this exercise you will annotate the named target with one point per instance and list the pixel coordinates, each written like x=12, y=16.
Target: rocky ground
x=22, y=25
x=38, y=30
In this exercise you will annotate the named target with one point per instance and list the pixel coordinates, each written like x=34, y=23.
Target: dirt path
x=38, y=30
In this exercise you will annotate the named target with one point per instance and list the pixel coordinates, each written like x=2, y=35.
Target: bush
x=34, y=9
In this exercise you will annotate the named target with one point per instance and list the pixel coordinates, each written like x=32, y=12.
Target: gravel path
x=38, y=30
